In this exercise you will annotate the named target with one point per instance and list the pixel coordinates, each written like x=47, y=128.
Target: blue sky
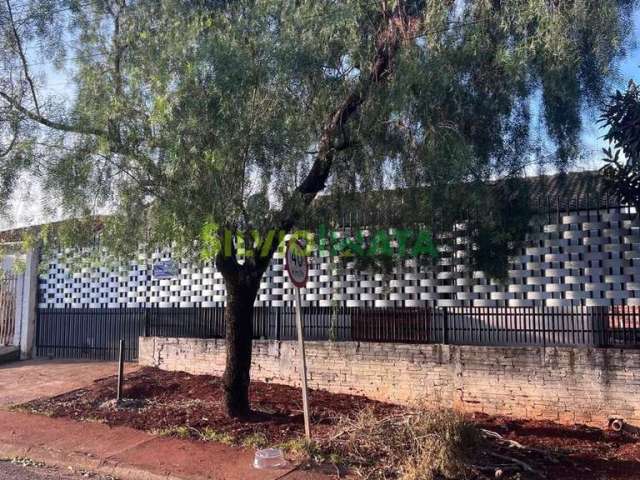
x=629, y=70
x=631, y=67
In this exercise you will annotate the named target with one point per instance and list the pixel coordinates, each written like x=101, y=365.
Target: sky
x=629, y=70
x=27, y=203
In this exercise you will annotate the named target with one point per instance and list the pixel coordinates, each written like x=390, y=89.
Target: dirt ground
x=582, y=452
x=191, y=406
x=160, y=401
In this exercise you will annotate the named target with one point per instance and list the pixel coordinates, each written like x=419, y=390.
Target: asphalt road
x=32, y=471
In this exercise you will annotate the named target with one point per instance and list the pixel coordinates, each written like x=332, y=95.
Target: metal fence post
x=598, y=327
x=604, y=325
x=425, y=314
x=445, y=325
x=544, y=327
x=147, y=322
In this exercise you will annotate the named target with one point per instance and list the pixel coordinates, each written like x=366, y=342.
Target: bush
x=420, y=444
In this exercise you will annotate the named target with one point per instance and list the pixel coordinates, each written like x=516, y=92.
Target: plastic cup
x=269, y=458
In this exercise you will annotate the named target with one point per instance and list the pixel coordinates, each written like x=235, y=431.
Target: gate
x=93, y=334
x=8, y=291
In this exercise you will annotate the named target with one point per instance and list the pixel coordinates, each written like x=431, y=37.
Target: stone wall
x=569, y=385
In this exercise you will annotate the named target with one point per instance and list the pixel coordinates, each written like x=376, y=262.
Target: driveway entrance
x=24, y=381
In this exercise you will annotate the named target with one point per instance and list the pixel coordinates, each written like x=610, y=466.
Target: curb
x=106, y=466
x=64, y=460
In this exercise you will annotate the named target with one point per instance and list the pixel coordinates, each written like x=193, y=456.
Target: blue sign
x=165, y=269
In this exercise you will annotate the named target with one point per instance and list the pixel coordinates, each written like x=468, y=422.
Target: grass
x=300, y=448
x=420, y=444
x=94, y=420
x=185, y=432
x=209, y=434
x=178, y=431
x=24, y=461
x=255, y=440
x=26, y=409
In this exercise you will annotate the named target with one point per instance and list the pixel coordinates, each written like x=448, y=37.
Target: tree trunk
x=241, y=294
x=243, y=281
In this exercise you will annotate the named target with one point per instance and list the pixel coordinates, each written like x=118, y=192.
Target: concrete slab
x=24, y=381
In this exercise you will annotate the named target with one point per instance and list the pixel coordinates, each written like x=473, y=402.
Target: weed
x=302, y=449
x=209, y=434
x=255, y=440
x=420, y=444
x=25, y=408
x=93, y=420
x=26, y=462
x=178, y=431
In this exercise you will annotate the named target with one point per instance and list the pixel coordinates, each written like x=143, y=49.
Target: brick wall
x=583, y=385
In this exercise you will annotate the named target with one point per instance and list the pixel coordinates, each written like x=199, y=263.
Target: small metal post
x=120, y=372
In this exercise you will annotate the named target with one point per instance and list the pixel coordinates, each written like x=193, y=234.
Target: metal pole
x=445, y=325
x=303, y=364
x=120, y=371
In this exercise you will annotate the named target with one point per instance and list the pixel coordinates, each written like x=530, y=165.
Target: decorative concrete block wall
x=568, y=385
x=590, y=257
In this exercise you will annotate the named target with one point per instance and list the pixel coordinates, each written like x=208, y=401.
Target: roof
x=545, y=194
x=572, y=191
x=16, y=235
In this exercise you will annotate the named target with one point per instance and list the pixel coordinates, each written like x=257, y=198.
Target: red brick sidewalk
x=127, y=453
x=21, y=382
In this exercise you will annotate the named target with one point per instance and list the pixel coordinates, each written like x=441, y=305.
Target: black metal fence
x=88, y=333
x=94, y=334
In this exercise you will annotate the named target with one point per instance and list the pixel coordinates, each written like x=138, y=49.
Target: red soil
x=161, y=400
x=582, y=452
x=172, y=399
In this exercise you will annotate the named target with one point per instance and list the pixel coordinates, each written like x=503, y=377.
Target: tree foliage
x=622, y=163
x=211, y=111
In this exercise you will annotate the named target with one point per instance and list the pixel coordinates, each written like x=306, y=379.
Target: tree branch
x=393, y=28
x=62, y=127
x=23, y=58
x=12, y=144
x=388, y=42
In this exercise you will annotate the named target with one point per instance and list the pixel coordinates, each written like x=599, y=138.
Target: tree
x=622, y=164
x=190, y=118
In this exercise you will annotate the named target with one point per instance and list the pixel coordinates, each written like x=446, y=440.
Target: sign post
x=298, y=268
